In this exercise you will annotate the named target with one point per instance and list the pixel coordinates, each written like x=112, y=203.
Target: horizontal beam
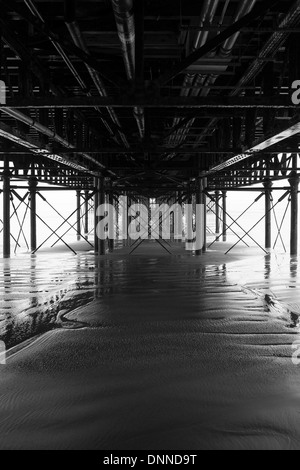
x=257, y=102
x=258, y=11
x=154, y=151
x=261, y=146
x=15, y=137
x=245, y=189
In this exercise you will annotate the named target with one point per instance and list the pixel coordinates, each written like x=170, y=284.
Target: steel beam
x=259, y=147
x=129, y=101
x=258, y=11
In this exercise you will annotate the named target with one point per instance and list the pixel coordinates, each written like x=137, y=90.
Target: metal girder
x=259, y=147
x=257, y=12
x=148, y=149
x=178, y=151
x=126, y=101
x=68, y=46
x=10, y=134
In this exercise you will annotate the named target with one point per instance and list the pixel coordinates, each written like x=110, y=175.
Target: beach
x=172, y=352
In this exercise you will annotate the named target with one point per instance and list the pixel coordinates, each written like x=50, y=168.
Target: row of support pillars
x=7, y=210
x=220, y=198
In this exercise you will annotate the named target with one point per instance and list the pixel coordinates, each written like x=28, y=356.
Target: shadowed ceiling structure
x=150, y=94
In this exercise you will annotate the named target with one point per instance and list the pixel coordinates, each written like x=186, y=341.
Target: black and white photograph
x=149, y=228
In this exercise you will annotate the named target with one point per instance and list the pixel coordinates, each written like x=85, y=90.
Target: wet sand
x=174, y=353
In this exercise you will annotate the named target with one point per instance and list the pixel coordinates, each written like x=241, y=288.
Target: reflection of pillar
x=294, y=270
x=78, y=215
x=294, y=182
x=86, y=217
x=217, y=196
x=224, y=217
x=33, y=230
x=6, y=209
x=33, y=300
x=268, y=261
x=268, y=219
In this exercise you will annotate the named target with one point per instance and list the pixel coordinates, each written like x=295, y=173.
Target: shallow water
x=174, y=353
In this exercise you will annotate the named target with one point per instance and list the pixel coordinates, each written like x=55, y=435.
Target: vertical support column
x=111, y=228
x=124, y=214
x=6, y=209
x=33, y=229
x=99, y=201
x=268, y=219
x=78, y=193
x=86, y=217
x=224, y=217
x=201, y=199
x=101, y=189
x=204, y=202
x=217, y=197
x=294, y=182
x=179, y=218
x=117, y=208
x=129, y=203
x=96, y=217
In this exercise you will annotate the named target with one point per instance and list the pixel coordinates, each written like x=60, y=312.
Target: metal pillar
x=33, y=226
x=224, y=216
x=217, y=196
x=124, y=215
x=294, y=182
x=268, y=219
x=204, y=202
x=86, y=217
x=111, y=229
x=78, y=215
x=96, y=217
x=201, y=199
x=129, y=218
x=6, y=209
x=179, y=228
x=101, y=189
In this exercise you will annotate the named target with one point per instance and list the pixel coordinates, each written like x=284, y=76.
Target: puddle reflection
x=37, y=291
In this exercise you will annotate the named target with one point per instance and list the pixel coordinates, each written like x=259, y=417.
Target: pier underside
x=177, y=324
x=165, y=102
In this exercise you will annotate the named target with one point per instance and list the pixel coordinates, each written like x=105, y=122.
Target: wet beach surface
x=150, y=351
